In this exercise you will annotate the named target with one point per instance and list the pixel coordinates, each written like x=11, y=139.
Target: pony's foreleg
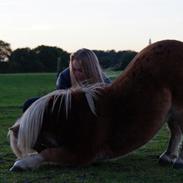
x=63, y=156
x=52, y=155
x=27, y=163
x=171, y=154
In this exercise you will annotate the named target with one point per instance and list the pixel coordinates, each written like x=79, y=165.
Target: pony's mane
x=31, y=120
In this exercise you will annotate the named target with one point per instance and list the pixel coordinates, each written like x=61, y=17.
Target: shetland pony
x=83, y=125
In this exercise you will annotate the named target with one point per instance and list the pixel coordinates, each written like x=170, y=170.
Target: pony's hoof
x=163, y=162
x=18, y=166
x=178, y=164
x=16, y=169
x=166, y=160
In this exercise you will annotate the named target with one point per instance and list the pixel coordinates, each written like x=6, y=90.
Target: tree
x=62, y=61
x=5, y=51
x=25, y=60
x=4, y=67
x=106, y=58
x=124, y=58
x=50, y=56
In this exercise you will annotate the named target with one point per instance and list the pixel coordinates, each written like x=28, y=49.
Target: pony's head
x=27, y=131
x=24, y=133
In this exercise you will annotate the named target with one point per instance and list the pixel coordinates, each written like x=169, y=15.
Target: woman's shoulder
x=63, y=79
x=65, y=72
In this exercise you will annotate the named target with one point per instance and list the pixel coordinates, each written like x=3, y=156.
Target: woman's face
x=78, y=71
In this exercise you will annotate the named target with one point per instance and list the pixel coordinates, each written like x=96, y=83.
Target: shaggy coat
x=115, y=119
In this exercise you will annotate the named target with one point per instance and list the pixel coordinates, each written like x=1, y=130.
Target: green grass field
x=140, y=166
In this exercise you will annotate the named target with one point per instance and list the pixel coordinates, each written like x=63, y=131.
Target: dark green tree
x=25, y=60
x=124, y=58
x=4, y=67
x=106, y=58
x=49, y=56
x=116, y=60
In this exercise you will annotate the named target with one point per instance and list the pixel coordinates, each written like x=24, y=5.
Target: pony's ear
x=15, y=129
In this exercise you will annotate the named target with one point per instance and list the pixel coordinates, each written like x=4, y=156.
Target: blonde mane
x=31, y=120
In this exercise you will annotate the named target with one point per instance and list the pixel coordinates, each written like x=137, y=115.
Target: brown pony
x=81, y=126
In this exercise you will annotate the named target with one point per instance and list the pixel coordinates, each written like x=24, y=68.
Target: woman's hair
x=90, y=66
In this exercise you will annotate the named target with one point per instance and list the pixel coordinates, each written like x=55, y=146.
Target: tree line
x=54, y=59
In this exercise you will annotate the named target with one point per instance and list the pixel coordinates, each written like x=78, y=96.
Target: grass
x=140, y=166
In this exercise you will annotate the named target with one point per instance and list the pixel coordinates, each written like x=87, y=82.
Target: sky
x=93, y=24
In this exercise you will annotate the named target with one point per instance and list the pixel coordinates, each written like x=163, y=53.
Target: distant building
x=150, y=41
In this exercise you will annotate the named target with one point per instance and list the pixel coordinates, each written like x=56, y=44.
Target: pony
x=79, y=126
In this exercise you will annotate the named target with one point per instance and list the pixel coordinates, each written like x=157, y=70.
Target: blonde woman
x=84, y=69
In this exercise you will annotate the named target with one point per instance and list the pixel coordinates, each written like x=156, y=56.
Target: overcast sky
x=93, y=24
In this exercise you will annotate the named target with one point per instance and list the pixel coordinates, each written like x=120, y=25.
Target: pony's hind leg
x=179, y=161
x=171, y=154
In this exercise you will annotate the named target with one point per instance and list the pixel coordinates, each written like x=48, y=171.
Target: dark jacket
x=64, y=80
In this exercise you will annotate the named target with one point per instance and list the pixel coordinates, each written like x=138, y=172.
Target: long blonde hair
x=90, y=65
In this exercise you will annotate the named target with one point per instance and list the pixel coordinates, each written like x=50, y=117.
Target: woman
x=84, y=69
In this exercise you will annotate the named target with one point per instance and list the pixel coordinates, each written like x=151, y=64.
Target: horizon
x=94, y=24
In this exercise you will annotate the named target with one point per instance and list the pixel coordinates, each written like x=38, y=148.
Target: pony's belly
x=132, y=140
